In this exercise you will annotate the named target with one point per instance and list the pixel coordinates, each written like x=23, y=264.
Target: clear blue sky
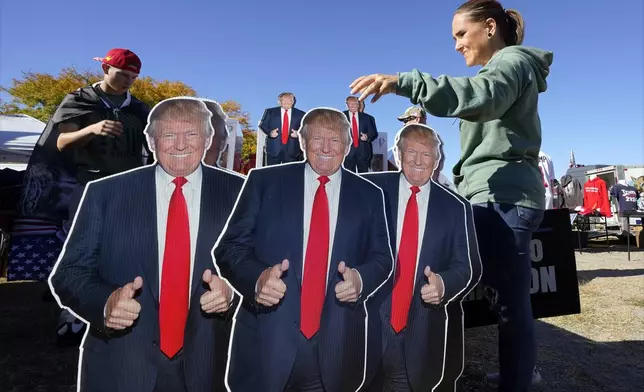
x=250, y=51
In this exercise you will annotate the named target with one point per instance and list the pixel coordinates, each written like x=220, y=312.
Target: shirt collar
x=126, y=102
x=192, y=178
x=310, y=173
x=423, y=189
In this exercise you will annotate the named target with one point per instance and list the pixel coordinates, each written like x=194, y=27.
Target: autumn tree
x=39, y=94
x=234, y=110
x=249, y=148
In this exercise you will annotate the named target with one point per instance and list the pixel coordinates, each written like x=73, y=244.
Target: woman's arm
x=484, y=97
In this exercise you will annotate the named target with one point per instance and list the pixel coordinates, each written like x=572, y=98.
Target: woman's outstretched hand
x=376, y=84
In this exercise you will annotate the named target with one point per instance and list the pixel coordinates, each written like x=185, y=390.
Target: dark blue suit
x=450, y=249
x=276, y=151
x=360, y=158
x=113, y=240
x=267, y=227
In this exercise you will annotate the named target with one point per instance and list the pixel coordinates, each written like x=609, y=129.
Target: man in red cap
x=95, y=132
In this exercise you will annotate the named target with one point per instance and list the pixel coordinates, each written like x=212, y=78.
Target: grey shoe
x=492, y=379
x=69, y=330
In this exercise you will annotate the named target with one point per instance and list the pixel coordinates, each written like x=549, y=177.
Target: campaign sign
x=554, y=291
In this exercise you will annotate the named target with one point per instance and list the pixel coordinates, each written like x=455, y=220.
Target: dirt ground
x=599, y=350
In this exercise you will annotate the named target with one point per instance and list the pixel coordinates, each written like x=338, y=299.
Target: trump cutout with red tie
x=406, y=265
x=175, y=284
x=316, y=261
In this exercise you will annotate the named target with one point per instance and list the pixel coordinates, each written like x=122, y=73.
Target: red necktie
x=173, y=303
x=315, y=267
x=354, y=128
x=406, y=265
x=285, y=128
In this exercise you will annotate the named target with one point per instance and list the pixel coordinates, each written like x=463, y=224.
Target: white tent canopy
x=18, y=136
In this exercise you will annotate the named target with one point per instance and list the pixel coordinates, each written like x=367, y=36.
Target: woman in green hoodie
x=498, y=169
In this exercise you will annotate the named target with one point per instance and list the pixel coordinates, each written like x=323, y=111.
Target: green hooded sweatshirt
x=500, y=126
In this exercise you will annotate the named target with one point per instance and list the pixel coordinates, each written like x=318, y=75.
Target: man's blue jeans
x=504, y=233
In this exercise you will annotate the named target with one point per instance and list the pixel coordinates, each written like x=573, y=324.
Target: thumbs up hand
x=219, y=295
x=122, y=309
x=270, y=286
x=349, y=289
x=433, y=291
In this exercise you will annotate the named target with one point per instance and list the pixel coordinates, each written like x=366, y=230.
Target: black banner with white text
x=554, y=290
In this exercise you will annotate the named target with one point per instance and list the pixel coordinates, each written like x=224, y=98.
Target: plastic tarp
x=18, y=136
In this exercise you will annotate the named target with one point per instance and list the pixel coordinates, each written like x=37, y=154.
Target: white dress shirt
x=422, y=198
x=311, y=185
x=192, y=193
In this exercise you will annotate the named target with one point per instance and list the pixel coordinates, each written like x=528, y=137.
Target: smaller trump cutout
x=436, y=262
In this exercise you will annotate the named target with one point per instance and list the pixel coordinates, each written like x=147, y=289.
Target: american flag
x=32, y=256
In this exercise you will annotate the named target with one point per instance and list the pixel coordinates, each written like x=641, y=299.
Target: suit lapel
x=393, y=210
x=345, y=203
x=290, y=118
x=149, y=235
x=361, y=123
x=209, y=196
x=429, y=236
x=293, y=205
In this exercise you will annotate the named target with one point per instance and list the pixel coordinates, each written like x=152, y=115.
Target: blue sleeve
x=76, y=280
x=465, y=267
x=235, y=252
x=379, y=261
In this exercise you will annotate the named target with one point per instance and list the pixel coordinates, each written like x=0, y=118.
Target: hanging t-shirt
x=596, y=197
x=626, y=197
x=548, y=175
x=573, y=192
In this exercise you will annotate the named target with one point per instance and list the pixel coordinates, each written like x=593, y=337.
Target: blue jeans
x=504, y=233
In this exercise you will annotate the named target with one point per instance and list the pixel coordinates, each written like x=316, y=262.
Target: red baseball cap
x=122, y=59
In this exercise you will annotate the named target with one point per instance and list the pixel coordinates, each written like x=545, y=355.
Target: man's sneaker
x=492, y=379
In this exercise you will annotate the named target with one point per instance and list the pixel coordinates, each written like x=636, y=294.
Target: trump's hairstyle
x=180, y=107
x=286, y=94
x=328, y=118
